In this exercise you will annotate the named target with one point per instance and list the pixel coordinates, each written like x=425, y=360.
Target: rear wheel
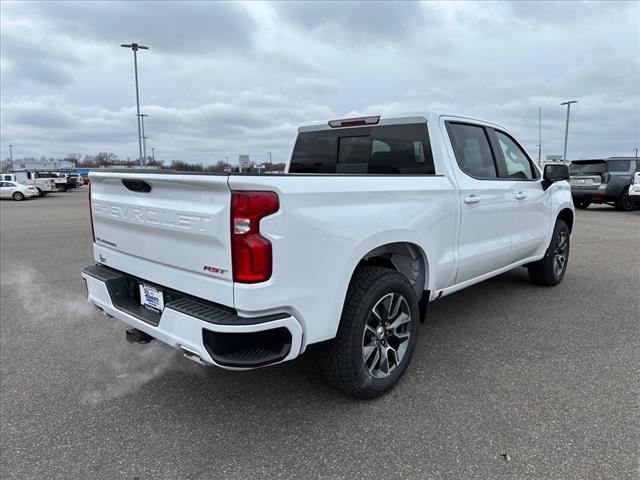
x=551, y=269
x=624, y=203
x=377, y=334
x=40, y=192
x=582, y=205
x=18, y=196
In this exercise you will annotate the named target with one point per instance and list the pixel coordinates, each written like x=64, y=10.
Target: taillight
x=251, y=252
x=93, y=232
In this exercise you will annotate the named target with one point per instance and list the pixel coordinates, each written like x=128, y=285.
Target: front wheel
x=582, y=205
x=40, y=192
x=377, y=334
x=551, y=269
x=18, y=196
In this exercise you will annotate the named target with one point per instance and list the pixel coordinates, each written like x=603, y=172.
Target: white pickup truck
x=373, y=218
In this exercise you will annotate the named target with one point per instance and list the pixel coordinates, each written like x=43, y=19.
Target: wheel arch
x=406, y=258
x=567, y=216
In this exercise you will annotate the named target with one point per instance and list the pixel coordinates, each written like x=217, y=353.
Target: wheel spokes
x=562, y=241
x=368, y=351
x=401, y=320
x=395, y=302
x=385, y=366
x=386, y=335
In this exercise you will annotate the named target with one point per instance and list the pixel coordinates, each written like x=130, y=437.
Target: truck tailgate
x=169, y=229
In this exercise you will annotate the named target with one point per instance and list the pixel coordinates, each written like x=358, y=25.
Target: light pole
x=269, y=158
x=135, y=47
x=566, y=127
x=11, y=156
x=153, y=154
x=144, y=139
x=539, y=135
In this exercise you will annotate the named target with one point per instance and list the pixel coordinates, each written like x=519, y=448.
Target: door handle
x=472, y=199
x=521, y=196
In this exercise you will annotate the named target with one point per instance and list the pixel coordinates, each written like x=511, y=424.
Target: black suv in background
x=603, y=181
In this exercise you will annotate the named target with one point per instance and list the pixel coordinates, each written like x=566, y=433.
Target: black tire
x=18, y=196
x=624, y=203
x=40, y=192
x=582, y=205
x=547, y=271
x=343, y=362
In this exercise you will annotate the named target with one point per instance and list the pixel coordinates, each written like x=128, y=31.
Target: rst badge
x=210, y=269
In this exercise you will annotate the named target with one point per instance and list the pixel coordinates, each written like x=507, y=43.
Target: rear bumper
x=215, y=335
x=592, y=195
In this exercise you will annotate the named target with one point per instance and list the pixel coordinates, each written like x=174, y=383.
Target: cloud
x=242, y=122
x=365, y=22
x=185, y=28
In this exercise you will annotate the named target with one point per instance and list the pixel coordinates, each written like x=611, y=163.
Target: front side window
x=518, y=164
x=472, y=150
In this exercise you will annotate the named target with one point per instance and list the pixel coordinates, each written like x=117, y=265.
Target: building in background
x=39, y=165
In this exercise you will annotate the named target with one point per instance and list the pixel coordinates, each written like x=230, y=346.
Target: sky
x=222, y=79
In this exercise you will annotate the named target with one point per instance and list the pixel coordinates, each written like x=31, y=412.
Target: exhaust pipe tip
x=138, y=336
x=191, y=355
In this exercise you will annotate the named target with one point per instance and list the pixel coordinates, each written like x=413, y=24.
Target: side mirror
x=554, y=173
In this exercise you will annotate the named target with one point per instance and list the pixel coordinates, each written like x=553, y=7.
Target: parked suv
x=603, y=181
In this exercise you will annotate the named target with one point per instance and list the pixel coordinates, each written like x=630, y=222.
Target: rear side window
x=619, y=166
x=472, y=150
x=386, y=149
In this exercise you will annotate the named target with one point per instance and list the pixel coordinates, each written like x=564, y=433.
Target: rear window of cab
x=382, y=150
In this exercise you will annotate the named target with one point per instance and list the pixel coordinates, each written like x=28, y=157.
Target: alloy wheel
x=560, y=253
x=386, y=335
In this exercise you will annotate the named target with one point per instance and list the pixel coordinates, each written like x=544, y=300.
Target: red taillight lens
x=251, y=252
x=93, y=232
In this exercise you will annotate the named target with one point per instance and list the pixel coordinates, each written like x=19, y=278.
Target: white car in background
x=17, y=191
x=634, y=189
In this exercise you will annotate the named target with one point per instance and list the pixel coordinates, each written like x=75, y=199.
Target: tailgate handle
x=137, y=185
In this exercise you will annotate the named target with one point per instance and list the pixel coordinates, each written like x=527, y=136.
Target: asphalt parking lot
x=546, y=376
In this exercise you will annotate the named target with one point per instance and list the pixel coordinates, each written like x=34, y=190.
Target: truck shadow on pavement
x=173, y=381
